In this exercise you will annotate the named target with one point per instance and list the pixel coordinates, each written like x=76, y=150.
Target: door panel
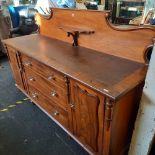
x=87, y=111
x=16, y=67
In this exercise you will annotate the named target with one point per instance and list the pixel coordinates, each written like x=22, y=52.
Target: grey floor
x=24, y=128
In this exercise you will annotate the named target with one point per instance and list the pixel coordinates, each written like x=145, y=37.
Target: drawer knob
x=34, y=95
x=27, y=64
x=72, y=105
x=51, y=77
x=55, y=113
x=31, y=79
x=53, y=93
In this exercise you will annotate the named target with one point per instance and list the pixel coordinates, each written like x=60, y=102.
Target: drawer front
x=50, y=74
x=50, y=107
x=57, y=94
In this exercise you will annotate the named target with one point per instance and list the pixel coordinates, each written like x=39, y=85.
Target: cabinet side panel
x=124, y=116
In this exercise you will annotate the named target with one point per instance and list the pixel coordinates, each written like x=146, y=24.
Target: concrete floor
x=24, y=128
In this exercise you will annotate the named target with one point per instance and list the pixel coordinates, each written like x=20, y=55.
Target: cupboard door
x=16, y=67
x=87, y=111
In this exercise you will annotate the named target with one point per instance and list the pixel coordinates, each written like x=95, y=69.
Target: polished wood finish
x=91, y=91
x=51, y=107
x=51, y=75
x=113, y=80
x=15, y=63
x=126, y=43
x=80, y=107
x=93, y=118
x=88, y=115
x=53, y=92
x=124, y=113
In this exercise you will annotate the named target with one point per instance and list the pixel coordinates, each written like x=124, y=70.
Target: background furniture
x=5, y=26
x=93, y=90
x=128, y=10
x=140, y=20
x=22, y=18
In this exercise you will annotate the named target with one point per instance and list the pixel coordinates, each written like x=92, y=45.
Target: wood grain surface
x=126, y=43
x=105, y=73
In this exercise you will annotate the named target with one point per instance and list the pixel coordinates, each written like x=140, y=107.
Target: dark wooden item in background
x=92, y=91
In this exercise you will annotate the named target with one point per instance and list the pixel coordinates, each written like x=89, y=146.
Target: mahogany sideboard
x=92, y=90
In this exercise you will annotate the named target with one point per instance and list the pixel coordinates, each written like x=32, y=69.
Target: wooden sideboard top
x=110, y=75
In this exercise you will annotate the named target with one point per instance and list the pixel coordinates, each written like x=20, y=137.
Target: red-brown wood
x=51, y=75
x=94, y=120
x=124, y=113
x=14, y=59
x=50, y=106
x=53, y=92
x=130, y=43
x=105, y=73
x=98, y=91
x=88, y=115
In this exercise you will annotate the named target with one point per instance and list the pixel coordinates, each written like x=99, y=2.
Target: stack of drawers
x=48, y=88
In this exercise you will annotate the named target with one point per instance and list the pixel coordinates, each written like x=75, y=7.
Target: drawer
x=50, y=107
x=50, y=74
x=57, y=94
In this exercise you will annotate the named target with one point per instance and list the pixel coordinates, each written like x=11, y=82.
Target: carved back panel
x=126, y=43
